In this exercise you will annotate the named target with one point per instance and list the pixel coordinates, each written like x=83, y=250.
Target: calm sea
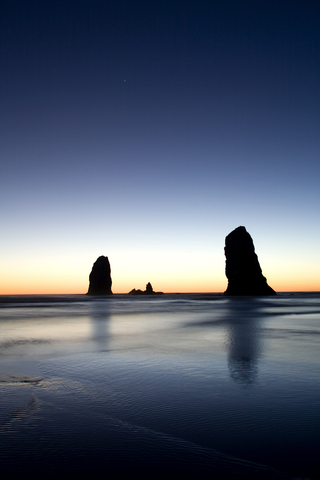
x=198, y=384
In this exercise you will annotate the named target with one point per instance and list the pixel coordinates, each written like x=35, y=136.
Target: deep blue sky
x=148, y=130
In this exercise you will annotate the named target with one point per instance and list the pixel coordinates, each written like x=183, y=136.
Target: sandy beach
x=199, y=384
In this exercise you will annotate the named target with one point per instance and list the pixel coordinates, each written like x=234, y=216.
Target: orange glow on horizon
x=54, y=278
x=37, y=289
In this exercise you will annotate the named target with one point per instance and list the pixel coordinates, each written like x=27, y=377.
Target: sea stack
x=242, y=266
x=100, y=277
x=149, y=289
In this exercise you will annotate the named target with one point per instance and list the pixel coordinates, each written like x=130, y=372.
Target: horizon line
x=164, y=293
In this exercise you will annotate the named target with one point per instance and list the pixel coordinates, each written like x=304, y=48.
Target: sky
x=147, y=131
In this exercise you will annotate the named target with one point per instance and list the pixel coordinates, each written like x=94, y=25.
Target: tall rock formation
x=100, y=277
x=242, y=266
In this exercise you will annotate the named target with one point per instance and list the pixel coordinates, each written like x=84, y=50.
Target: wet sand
x=186, y=384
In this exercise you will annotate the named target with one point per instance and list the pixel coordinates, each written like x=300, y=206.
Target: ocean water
x=200, y=385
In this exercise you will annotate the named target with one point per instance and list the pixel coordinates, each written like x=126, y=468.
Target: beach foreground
x=194, y=384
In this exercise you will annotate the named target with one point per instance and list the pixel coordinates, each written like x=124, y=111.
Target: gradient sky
x=146, y=131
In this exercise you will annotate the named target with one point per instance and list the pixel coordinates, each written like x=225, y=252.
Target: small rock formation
x=242, y=266
x=100, y=277
x=147, y=291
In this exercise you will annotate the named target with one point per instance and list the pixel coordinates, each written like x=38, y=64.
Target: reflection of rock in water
x=243, y=349
x=243, y=369
x=100, y=318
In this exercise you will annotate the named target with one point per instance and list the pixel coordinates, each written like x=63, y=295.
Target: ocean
x=199, y=385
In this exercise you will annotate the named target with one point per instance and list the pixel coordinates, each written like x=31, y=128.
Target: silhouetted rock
x=242, y=266
x=136, y=292
x=147, y=291
x=100, y=277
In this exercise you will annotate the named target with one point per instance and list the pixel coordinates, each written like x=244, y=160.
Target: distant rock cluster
x=242, y=266
x=100, y=277
x=147, y=291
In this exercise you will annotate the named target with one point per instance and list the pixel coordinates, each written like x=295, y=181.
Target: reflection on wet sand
x=178, y=384
x=100, y=325
x=244, y=341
